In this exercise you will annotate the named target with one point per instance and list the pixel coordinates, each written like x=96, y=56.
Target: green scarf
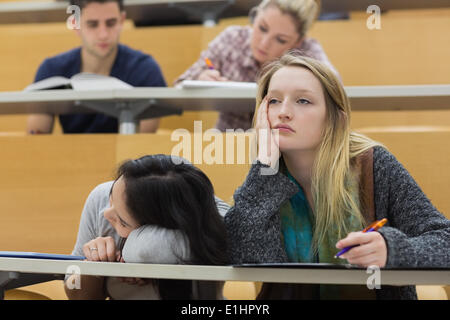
x=297, y=227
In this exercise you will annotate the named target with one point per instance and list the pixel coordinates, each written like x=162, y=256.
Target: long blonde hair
x=332, y=172
x=303, y=12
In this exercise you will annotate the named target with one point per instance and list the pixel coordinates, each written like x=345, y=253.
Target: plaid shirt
x=231, y=55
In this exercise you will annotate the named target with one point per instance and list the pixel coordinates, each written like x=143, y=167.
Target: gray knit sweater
x=417, y=235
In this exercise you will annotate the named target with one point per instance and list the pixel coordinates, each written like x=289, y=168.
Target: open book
x=186, y=84
x=81, y=82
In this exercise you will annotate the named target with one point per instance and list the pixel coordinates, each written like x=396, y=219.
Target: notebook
x=297, y=265
x=36, y=255
x=188, y=84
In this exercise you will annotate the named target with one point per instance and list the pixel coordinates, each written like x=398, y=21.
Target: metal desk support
x=128, y=112
x=11, y=280
x=5, y=279
x=207, y=13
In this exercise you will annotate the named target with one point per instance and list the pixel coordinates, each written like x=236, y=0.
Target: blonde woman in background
x=239, y=52
x=330, y=183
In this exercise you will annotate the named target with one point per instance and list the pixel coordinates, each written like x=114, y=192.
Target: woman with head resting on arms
x=330, y=184
x=158, y=210
x=239, y=52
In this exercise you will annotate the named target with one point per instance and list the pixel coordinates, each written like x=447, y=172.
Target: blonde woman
x=330, y=183
x=239, y=52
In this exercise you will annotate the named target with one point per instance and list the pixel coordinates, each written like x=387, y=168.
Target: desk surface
x=183, y=11
x=362, y=98
x=226, y=273
x=362, y=5
x=165, y=100
x=154, y=11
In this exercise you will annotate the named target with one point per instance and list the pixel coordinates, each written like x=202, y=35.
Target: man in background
x=101, y=53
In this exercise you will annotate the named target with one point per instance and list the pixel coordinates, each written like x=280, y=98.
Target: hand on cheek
x=268, y=149
x=371, y=249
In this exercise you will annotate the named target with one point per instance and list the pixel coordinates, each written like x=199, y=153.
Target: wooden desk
x=197, y=11
x=158, y=11
x=405, y=98
x=127, y=105
x=15, y=266
x=362, y=5
x=139, y=103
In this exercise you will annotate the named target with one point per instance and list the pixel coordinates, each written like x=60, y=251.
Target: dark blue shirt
x=131, y=66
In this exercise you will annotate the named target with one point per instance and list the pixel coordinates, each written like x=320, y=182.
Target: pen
x=209, y=64
x=373, y=227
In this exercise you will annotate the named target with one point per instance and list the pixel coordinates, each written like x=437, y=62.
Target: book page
x=187, y=84
x=90, y=81
x=49, y=83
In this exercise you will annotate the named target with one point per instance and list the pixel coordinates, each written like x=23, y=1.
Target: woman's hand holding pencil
x=365, y=248
x=211, y=74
